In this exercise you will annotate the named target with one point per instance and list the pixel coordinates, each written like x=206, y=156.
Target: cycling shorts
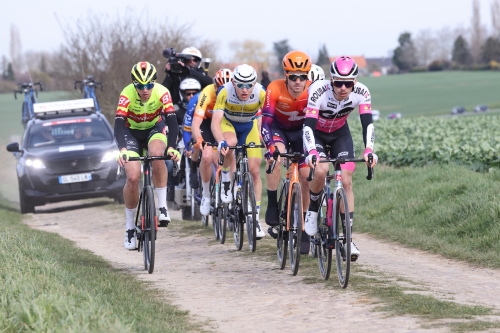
x=246, y=133
x=336, y=144
x=138, y=141
x=291, y=139
x=206, y=131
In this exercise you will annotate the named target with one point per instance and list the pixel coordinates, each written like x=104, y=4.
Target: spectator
x=82, y=132
x=265, y=79
x=44, y=136
x=191, y=68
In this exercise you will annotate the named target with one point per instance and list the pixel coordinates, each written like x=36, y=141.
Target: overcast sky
x=355, y=27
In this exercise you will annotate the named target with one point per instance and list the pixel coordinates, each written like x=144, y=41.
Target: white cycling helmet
x=192, y=53
x=244, y=74
x=190, y=84
x=316, y=73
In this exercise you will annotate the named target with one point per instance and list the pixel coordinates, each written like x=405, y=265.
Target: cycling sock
x=130, y=216
x=162, y=197
x=314, y=203
x=257, y=205
x=272, y=198
x=225, y=175
x=206, y=189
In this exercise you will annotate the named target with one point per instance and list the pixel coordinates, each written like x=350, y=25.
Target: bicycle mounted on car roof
x=87, y=87
x=30, y=98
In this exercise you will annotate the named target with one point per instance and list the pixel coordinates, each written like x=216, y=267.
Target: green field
x=433, y=93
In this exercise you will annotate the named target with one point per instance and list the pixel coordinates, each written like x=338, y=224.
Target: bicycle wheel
x=324, y=243
x=215, y=211
x=25, y=114
x=295, y=232
x=282, y=240
x=249, y=210
x=238, y=217
x=342, y=235
x=199, y=193
x=222, y=219
x=149, y=230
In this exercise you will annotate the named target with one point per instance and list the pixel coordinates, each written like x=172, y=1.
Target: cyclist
x=139, y=126
x=198, y=121
x=237, y=119
x=187, y=90
x=329, y=105
x=316, y=73
x=282, y=121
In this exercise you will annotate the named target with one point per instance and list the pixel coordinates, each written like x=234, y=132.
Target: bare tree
x=16, y=54
x=477, y=33
x=425, y=44
x=495, y=18
x=252, y=52
x=108, y=47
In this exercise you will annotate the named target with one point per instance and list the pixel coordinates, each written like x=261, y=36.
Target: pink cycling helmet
x=344, y=67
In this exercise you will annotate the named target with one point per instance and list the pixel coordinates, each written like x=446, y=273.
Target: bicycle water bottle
x=329, y=211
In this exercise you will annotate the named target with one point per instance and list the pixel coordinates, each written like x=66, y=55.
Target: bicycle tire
x=323, y=239
x=295, y=232
x=215, y=211
x=238, y=224
x=282, y=240
x=222, y=223
x=342, y=240
x=25, y=114
x=248, y=195
x=150, y=223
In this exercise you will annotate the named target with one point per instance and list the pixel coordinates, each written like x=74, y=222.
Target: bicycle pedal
x=271, y=233
x=354, y=257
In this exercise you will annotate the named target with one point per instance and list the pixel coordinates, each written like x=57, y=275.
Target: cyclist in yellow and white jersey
x=237, y=120
x=138, y=126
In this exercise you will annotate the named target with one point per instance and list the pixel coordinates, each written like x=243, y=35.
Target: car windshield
x=67, y=132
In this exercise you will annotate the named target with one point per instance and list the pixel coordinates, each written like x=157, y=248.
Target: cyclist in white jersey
x=330, y=103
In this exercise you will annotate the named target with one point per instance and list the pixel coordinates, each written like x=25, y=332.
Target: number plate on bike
x=82, y=177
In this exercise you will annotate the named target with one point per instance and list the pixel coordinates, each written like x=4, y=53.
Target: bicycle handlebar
x=29, y=85
x=295, y=157
x=342, y=161
x=151, y=158
x=87, y=83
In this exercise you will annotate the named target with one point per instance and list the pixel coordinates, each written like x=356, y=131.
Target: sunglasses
x=347, y=84
x=244, y=85
x=294, y=77
x=147, y=86
x=190, y=93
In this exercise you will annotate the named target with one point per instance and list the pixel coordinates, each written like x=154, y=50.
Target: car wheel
x=25, y=207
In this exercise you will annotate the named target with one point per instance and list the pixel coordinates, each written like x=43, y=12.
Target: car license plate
x=82, y=177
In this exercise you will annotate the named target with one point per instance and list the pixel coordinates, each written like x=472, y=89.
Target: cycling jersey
x=206, y=102
x=236, y=110
x=282, y=109
x=326, y=114
x=188, y=119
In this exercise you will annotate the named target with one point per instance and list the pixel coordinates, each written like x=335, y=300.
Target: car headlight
x=109, y=156
x=36, y=163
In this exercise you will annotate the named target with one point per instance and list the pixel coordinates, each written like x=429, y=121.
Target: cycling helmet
x=223, y=76
x=316, y=73
x=143, y=72
x=190, y=84
x=296, y=61
x=244, y=74
x=344, y=67
x=192, y=53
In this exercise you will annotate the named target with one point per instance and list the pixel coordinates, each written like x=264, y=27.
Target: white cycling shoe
x=205, y=206
x=311, y=223
x=260, y=232
x=354, y=252
x=163, y=217
x=225, y=195
x=129, y=242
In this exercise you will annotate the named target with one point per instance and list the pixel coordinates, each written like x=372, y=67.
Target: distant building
x=382, y=65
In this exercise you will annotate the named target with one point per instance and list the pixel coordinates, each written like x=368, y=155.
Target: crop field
x=433, y=93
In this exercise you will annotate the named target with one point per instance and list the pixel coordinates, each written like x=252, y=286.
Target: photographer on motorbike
x=180, y=66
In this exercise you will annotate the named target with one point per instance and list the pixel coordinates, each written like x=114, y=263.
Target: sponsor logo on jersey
x=361, y=91
x=293, y=115
x=203, y=99
x=342, y=153
x=123, y=101
x=283, y=105
x=165, y=99
x=200, y=112
x=331, y=105
x=320, y=91
x=347, y=104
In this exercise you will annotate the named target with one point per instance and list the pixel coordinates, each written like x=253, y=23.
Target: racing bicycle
x=30, y=96
x=146, y=220
x=333, y=234
x=87, y=87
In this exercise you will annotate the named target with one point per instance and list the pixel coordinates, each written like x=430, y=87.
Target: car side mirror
x=13, y=147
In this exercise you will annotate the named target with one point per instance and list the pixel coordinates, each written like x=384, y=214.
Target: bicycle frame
x=87, y=87
x=30, y=97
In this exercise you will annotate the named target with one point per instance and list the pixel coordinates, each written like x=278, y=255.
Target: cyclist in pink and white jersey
x=329, y=105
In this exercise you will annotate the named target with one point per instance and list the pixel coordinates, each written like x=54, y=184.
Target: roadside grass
x=50, y=285
x=447, y=210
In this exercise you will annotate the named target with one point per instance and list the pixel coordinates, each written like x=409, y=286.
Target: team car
x=67, y=153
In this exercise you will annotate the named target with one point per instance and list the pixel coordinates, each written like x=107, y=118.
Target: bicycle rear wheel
x=342, y=239
x=250, y=210
x=222, y=211
x=295, y=232
x=324, y=243
x=238, y=217
x=282, y=240
x=149, y=230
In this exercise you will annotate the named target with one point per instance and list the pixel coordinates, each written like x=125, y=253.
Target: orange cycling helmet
x=297, y=61
x=222, y=77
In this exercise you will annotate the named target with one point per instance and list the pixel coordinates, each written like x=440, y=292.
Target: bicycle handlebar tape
x=311, y=172
x=370, y=169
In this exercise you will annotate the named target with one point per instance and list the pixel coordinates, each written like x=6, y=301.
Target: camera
x=173, y=59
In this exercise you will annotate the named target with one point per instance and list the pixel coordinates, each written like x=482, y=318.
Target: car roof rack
x=73, y=107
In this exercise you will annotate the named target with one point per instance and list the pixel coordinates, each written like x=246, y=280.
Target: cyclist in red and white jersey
x=329, y=105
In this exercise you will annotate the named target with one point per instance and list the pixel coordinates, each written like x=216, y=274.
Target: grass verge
x=50, y=285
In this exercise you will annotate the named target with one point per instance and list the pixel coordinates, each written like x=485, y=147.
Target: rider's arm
x=218, y=115
x=268, y=116
x=121, y=128
x=206, y=98
x=188, y=120
x=170, y=118
x=365, y=115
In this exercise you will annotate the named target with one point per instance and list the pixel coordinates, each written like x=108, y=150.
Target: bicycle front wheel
x=149, y=230
x=282, y=240
x=324, y=242
x=295, y=232
x=342, y=235
x=250, y=210
x=222, y=219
